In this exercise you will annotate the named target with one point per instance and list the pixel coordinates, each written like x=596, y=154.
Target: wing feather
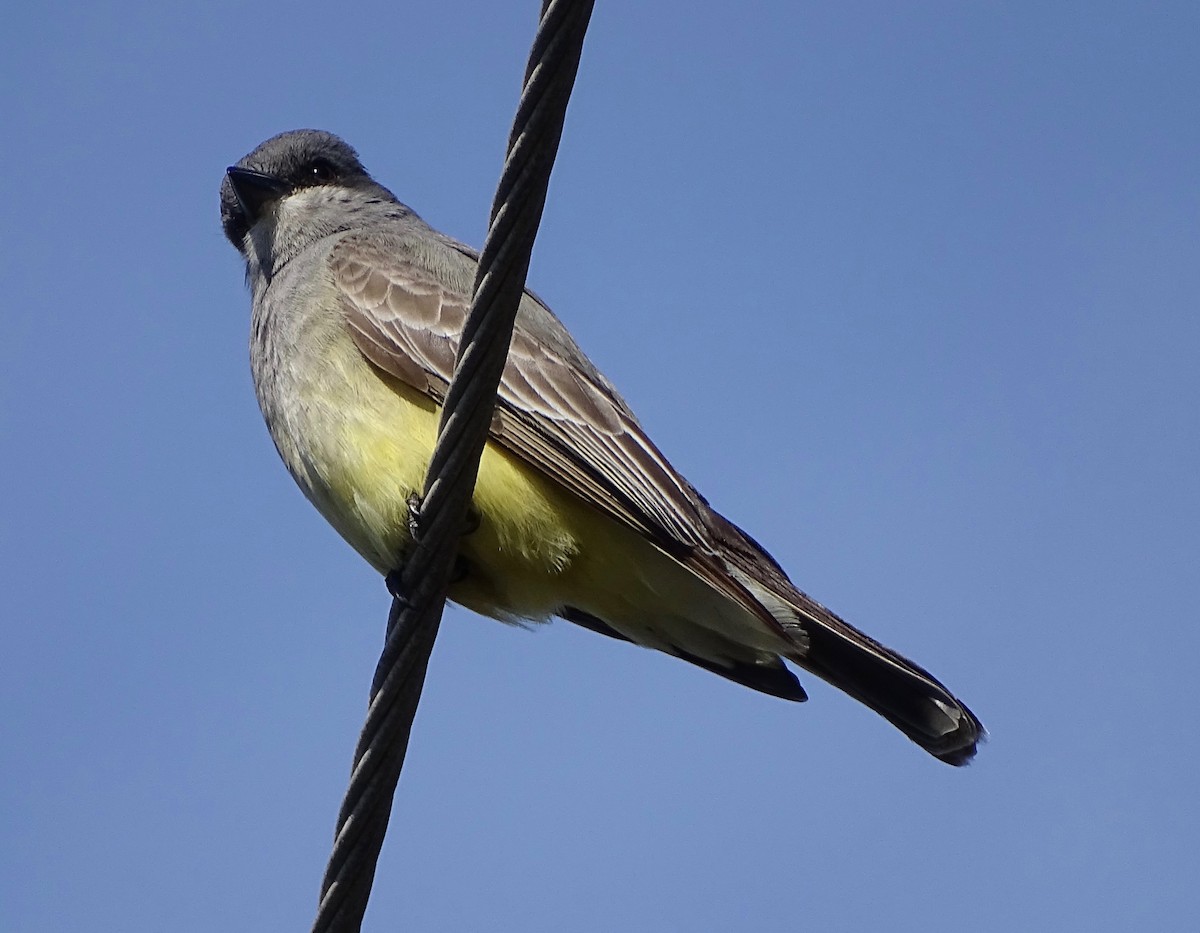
x=555, y=410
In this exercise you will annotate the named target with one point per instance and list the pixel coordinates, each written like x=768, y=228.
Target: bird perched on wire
x=357, y=309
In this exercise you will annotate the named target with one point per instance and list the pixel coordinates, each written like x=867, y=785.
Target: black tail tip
x=959, y=747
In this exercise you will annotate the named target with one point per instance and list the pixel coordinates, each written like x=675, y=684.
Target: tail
x=904, y=694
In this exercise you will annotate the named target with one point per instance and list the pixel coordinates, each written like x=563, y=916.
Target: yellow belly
x=538, y=547
x=530, y=531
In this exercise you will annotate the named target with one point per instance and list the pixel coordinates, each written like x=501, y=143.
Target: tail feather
x=771, y=676
x=903, y=693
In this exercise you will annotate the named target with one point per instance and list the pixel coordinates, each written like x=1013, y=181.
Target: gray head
x=297, y=162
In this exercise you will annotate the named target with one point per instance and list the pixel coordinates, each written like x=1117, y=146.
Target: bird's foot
x=470, y=524
x=393, y=581
x=414, y=516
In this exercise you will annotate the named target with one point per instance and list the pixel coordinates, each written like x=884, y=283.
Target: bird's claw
x=414, y=516
x=470, y=524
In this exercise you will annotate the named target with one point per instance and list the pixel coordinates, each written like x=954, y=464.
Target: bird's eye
x=320, y=172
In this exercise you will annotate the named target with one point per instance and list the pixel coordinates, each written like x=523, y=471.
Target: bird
x=356, y=310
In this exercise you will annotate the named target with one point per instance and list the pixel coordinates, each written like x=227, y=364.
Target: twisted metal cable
x=419, y=587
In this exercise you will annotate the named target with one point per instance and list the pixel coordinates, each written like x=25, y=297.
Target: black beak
x=255, y=190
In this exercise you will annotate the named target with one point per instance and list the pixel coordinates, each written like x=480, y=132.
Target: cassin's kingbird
x=357, y=309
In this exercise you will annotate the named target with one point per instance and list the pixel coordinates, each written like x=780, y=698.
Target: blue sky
x=910, y=292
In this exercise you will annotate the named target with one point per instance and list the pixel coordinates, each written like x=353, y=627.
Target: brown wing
x=559, y=414
x=555, y=411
